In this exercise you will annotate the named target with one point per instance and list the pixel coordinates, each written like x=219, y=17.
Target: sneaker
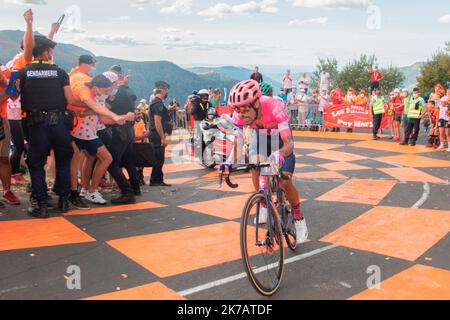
x=263, y=213
x=448, y=150
x=301, y=230
x=441, y=147
x=11, y=198
x=83, y=193
x=95, y=198
x=78, y=203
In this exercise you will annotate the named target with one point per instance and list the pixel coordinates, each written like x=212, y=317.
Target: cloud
x=178, y=7
x=104, y=40
x=244, y=46
x=220, y=10
x=445, y=19
x=333, y=4
x=121, y=18
x=168, y=30
x=299, y=23
x=38, y=2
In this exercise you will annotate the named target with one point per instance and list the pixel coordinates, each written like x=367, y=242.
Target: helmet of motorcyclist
x=211, y=114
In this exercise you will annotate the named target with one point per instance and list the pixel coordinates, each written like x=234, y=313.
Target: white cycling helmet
x=203, y=92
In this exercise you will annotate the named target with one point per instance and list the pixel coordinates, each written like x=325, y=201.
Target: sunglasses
x=244, y=109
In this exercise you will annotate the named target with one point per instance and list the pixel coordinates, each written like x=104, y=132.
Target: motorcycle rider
x=199, y=112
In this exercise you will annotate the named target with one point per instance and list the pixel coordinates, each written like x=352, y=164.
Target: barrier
x=350, y=117
x=305, y=117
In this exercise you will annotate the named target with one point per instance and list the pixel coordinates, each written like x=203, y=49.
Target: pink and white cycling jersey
x=274, y=116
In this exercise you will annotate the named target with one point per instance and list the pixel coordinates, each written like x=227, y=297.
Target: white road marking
x=425, y=196
x=224, y=281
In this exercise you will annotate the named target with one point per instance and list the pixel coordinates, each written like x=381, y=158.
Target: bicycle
x=258, y=243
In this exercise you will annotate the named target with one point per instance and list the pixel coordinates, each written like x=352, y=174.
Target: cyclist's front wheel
x=262, y=247
x=290, y=232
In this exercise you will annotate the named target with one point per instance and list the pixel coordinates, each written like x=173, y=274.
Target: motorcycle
x=218, y=136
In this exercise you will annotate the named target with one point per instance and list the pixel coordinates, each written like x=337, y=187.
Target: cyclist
x=252, y=109
x=266, y=89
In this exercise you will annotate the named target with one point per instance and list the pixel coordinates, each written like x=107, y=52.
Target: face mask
x=93, y=71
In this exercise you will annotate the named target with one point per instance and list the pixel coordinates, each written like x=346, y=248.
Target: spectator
x=444, y=127
x=78, y=77
x=324, y=101
x=314, y=103
x=302, y=101
x=122, y=102
x=45, y=101
x=375, y=77
x=324, y=82
x=159, y=130
x=303, y=83
x=141, y=135
x=257, y=76
x=217, y=96
x=361, y=99
x=377, y=105
x=288, y=82
x=415, y=115
x=88, y=141
x=283, y=95
x=406, y=101
x=199, y=112
x=20, y=61
x=397, y=104
x=174, y=107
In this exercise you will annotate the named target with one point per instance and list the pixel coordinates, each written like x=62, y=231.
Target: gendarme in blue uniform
x=47, y=126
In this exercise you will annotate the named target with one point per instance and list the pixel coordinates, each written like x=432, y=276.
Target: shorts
x=443, y=124
x=398, y=117
x=5, y=149
x=90, y=146
x=290, y=162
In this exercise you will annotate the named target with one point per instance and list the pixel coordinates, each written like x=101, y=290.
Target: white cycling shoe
x=301, y=230
x=263, y=213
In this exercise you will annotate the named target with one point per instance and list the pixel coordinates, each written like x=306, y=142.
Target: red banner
x=350, y=117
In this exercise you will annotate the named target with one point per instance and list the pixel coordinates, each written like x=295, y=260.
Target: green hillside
x=144, y=74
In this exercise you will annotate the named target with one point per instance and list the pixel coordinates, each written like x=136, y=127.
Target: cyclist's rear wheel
x=263, y=260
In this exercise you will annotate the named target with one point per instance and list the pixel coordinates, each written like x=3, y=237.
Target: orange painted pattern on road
x=171, y=253
x=153, y=291
x=226, y=208
x=414, y=161
x=396, y=232
x=412, y=175
x=24, y=234
x=392, y=147
x=337, y=156
x=343, y=166
x=360, y=191
x=417, y=283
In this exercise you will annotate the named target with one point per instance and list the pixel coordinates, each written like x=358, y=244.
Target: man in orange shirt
x=19, y=62
x=375, y=77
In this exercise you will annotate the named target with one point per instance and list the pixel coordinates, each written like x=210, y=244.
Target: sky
x=245, y=32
